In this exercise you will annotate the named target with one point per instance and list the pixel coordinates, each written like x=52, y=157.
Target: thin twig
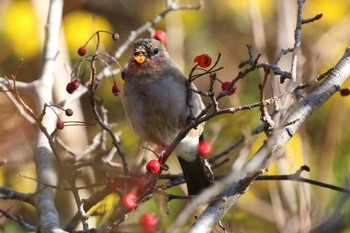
x=8, y=193
x=297, y=177
x=265, y=116
x=313, y=19
x=143, y=28
x=101, y=122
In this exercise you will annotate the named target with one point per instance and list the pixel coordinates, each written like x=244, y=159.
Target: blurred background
x=224, y=27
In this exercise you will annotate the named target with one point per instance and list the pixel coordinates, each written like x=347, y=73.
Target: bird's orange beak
x=139, y=56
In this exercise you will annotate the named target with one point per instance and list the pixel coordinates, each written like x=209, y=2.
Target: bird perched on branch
x=154, y=99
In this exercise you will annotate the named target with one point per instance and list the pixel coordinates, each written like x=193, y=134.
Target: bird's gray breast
x=156, y=108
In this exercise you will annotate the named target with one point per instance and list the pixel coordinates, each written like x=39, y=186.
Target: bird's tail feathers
x=196, y=175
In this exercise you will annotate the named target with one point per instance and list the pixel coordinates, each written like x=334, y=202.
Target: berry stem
x=98, y=37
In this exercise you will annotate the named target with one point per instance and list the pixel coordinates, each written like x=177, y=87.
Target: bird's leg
x=160, y=152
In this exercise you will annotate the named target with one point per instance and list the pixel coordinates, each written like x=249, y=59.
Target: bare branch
x=46, y=173
x=265, y=116
x=101, y=121
x=8, y=193
x=316, y=17
x=19, y=220
x=211, y=216
x=21, y=109
x=143, y=28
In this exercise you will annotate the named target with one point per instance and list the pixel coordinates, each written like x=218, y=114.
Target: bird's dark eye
x=156, y=51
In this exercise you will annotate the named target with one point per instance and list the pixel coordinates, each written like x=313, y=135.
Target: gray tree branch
x=46, y=172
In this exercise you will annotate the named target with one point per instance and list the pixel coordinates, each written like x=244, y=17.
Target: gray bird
x=154, y=100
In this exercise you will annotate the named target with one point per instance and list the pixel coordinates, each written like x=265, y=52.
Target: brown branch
x=265, y=116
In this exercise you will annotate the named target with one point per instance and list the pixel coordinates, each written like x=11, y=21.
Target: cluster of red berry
x=60, y=124
x=148, y=221
x=74, y=84
x=204, y=61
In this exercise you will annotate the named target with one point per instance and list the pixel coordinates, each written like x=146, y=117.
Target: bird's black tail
x=196, y=175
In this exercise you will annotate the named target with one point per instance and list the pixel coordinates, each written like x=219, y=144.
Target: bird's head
x=149, y=55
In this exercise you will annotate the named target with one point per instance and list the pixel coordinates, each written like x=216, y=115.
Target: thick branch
x=46, y=173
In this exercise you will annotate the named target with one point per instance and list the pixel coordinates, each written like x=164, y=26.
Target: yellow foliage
x=332, y=11
x=265, y=6
x=21, y=29
x=79, y=26
x=292, y=155
x=2, y=176
x=238, y=5
x=19, y=179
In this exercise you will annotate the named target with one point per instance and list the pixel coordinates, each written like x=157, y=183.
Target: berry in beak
x=139, y=55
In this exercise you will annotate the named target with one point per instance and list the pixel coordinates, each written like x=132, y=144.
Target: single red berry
x=161, y=35
x=225, y=85
x=153, y=166
x=130, y=200
x=72, y=86
x=76, y=83
x=59, y=124
x=115, y=89
x=203, y=60
x=82, y=51
x=148, y=222
x=204, y=148
x=69, y=112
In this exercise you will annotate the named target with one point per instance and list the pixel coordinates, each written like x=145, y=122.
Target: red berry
x=148, y=222
x=82, y=51
x=115, y=89
x=203, y=60
x=60, y=125
x=153, y=166
x=76, y=83
x=130, y=200
x=72, y=86
x=69, y=112
x=225, y=85
x=161, y=35
x=204, y=148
